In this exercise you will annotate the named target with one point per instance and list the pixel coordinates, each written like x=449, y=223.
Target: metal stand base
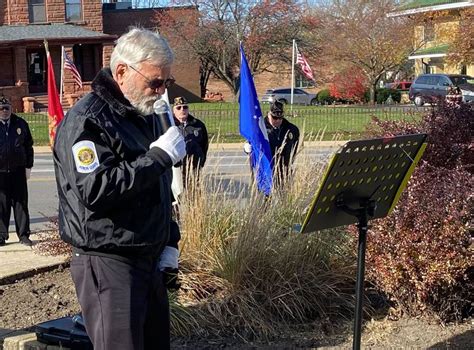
x=366, y=209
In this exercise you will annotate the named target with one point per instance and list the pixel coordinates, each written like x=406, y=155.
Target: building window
x=302, y=82
x=37, y=11
x=73, y=10
x=428, y=32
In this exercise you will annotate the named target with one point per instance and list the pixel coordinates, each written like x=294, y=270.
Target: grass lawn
x=222, y=120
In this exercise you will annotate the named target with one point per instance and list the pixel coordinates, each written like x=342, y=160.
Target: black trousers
x=124, y=305
x=14, y=193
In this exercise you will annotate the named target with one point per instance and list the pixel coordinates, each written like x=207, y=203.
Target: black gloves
x=170, y=278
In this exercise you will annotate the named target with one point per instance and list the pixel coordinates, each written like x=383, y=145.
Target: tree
x=212, y=34
x=461, y=51
x=360, y=34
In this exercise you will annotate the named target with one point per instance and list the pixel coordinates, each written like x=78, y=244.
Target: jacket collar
x=191, y=120
x=107, y=89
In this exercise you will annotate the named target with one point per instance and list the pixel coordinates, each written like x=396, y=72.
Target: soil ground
x=51, y=295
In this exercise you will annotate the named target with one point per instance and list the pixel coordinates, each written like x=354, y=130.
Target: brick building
x=117, y=20
x=87, y=32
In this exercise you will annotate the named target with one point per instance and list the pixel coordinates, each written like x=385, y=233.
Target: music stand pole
x=366, y=209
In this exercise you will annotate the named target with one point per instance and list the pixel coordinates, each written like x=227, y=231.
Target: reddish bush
x=349, y=85
x=421, y=255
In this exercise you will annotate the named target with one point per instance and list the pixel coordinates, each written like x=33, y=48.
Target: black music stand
x=363, y=181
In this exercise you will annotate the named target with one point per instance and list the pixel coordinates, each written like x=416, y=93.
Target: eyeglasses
x=184, y=107
x=155, y=84
x=5, y=108
x=277, y=114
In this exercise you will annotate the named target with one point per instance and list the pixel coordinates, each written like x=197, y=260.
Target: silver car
x=284, y=95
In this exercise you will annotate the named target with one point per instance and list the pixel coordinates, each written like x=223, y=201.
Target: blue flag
x=252, y=127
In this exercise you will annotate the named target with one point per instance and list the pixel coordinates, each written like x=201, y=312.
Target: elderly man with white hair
x=113, y=170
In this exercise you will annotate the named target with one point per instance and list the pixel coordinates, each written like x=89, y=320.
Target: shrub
x=244, y=269
x=349, y=85
x=324, y=97
x=381, y=95
x=420, y=255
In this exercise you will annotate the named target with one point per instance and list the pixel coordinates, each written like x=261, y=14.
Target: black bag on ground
x=66, y=331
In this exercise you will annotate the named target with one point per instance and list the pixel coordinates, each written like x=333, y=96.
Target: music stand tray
x=363, y=181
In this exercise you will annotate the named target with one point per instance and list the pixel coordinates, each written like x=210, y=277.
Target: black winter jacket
x=197, y=141
x=114, y=193
x=16, y=145
x=283, y=141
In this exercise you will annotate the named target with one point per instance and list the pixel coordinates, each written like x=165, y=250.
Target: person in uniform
x=195, y=135
x=113, y=163
x=283, y=137
x=16, y=161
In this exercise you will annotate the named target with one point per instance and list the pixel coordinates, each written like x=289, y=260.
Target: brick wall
x=55, y=11
x=93, y=14
x=14, y=94
x=17, y=12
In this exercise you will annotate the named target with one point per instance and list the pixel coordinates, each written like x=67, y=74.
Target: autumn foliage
x=421, y=255
x=349, y=85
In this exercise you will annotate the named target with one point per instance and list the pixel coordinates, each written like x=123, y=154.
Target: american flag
x=69, y=64
x=305, y=68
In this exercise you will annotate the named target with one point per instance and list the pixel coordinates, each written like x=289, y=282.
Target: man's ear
x=119, y=73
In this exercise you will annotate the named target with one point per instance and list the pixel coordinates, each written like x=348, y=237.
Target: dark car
x=430, y=87
x=284, y=95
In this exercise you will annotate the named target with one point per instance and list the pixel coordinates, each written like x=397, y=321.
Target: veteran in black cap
x=16, y=161
x=284, y=137
x=195, y=135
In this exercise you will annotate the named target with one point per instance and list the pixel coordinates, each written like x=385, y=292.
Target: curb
x=32, y=272
x=25, y=340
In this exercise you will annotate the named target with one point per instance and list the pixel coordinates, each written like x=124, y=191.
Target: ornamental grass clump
x=246, y=271
x=422, y=254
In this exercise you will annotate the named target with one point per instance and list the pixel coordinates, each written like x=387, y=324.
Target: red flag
x=55, y=110
x=305, y=68
x=69, y=64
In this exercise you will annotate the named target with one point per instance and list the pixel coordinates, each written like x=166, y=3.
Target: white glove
x=169, y=258
x=172, y=142
x=247, y=148
x=28, y=173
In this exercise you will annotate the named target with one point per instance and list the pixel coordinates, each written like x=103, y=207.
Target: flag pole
x=292, y=73
x=62, y=76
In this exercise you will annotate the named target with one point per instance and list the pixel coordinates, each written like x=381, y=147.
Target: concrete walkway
x=19, y=261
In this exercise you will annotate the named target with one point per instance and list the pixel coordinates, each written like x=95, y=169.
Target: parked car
x=284, y=95
x=399, y=85
x=430, y=87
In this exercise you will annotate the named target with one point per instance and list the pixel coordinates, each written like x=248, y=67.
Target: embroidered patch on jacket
x=85, y=156
x=196, y=133
x=18, y=131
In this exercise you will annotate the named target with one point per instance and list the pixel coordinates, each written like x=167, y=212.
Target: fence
x=222, y=119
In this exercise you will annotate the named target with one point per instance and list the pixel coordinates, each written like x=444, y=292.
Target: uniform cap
x=179, y=101
x=4, y=101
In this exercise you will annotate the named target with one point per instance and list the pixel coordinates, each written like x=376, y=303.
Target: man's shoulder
x=87, y=107
x=17, y=120
x=195, y=122
x=290, y=125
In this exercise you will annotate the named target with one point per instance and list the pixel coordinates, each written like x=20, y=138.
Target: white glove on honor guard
x=28, y=173
x=172, y=142
x=247, y=148
x=169, y=258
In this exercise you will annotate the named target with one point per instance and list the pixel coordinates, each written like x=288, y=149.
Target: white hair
x=139, y=45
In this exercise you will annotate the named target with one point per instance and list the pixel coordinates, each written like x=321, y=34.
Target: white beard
x=144, y=104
